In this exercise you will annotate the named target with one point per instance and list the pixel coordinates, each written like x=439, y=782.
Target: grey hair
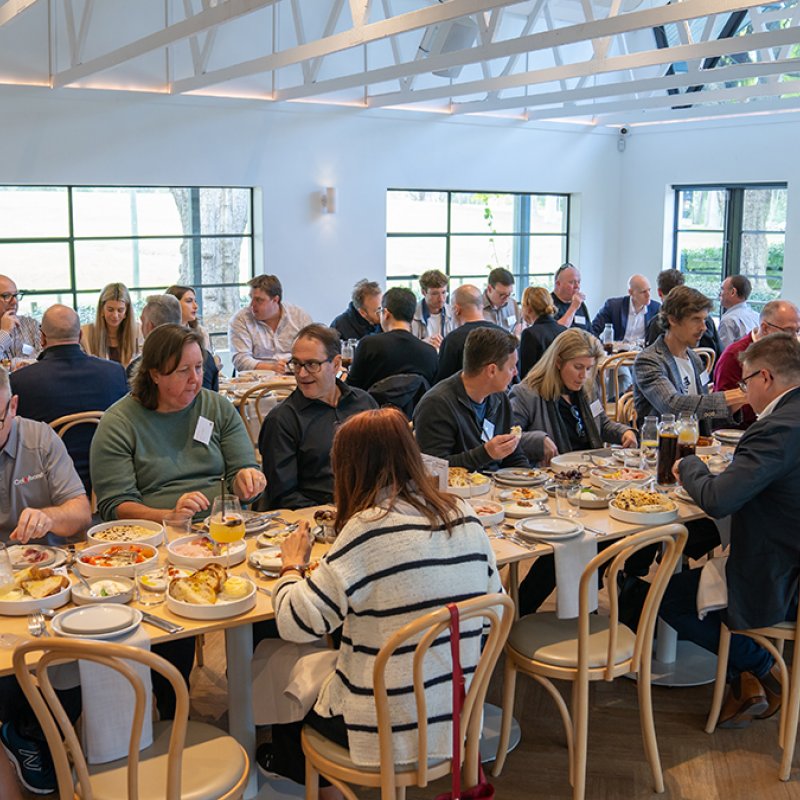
x=162, y=309
x=5, y=384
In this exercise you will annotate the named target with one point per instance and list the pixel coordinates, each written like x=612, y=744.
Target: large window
x=731, y=230
x=467, y=234
x=63, y=244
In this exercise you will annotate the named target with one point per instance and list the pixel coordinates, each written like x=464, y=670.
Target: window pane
x=218, y=305
x=224, y=211
x=702, y=209
x=39, y=265
x=218, y=260
x=764, y=210
x=700, y=257
x=134, y=262
x=416, y=212
x=123, y=211
x=478, y=255
x=548, y=253
x=34, y=305
x=33, y=211
x=762, y=262
x=548, y=214
x=484, y=213
x=412, y=255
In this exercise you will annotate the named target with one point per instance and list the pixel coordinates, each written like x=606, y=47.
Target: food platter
x=631, y=505
x=548, y=529
x=519, y=510
x=222, y=609
x=463, y=483
x=27, y=604
x=470, y=491
x=187, y=551
x=114, y=589
x=140, y=531
x=488, y=512
x=614, y=478
x=35, y=555
x=120, y=559
x=520, y=476
x=590, y=499
x=99, y=621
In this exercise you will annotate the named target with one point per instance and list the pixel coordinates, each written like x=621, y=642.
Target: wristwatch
x=300, y=569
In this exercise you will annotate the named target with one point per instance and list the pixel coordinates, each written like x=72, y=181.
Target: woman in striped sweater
x=403, y=548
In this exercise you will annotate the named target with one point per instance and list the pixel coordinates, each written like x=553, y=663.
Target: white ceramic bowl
x=475, y=490
x=222, y=609
x=20, y=608
x=238, y=553
x=569, y=461
x=155, y=537
x=149, y=552
x=124, y=588
x=643, y=517
x=488, y=512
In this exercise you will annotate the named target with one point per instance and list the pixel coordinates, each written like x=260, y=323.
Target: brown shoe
x=771, y=684
x=745, y=699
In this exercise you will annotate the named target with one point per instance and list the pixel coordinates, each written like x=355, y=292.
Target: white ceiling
x=600, y=62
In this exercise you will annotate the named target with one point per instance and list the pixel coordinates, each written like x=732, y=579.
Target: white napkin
x=287, y=679
x=572, y=556
x=108, y=704
x=712, y=591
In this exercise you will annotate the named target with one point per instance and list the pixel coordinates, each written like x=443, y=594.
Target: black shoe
x=265, y=758
x=31, y=760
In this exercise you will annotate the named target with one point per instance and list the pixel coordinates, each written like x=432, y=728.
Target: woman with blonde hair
x=115, y=333
x=188, y=300
x=538, y=312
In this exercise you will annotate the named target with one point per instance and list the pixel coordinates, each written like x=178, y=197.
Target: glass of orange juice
x=226, y=523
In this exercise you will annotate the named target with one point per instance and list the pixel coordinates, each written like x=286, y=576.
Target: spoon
x=88, y=586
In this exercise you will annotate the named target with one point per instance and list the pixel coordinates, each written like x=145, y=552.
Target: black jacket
x=446, y=426
x=351, y=325
x=535, y=340
x=392, y=353
x=709, y=339
x=451, y=353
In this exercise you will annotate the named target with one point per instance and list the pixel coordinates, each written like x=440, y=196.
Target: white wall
x=291, y=152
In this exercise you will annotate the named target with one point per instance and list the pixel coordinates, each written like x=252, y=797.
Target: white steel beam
x=13, y=8
x=221, y=13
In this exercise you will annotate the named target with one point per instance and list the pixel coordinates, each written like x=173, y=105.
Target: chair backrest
x=61, y=738
x=673, y=538
x=69, y=421
x=257, y=402
x=609, y=370
x=497, y=611
x=402, y=391
x=708, y=357
x=626, y=409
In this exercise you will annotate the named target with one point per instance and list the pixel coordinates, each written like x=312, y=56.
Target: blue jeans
x=679, y=609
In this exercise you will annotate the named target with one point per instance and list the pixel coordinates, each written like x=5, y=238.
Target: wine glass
x=226, y=523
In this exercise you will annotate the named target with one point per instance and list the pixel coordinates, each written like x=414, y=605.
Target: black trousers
x=289, y=758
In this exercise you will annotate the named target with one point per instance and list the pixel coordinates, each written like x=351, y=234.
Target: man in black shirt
x=296, y=437
x=396, y=351
x=363, y=316
x=467, y=303
x=571, y=311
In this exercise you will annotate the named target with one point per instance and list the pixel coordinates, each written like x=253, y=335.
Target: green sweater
x=152, y=458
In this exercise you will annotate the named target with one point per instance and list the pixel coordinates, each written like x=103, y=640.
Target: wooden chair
x=772, y=639
x=626, y=410
x=257, y=402
x=607, y=372
x=186, y=759
x=592, y=648
x=708, y=357
x=69, y=421
x=325, y=758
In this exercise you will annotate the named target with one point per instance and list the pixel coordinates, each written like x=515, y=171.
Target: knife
x=164, y=624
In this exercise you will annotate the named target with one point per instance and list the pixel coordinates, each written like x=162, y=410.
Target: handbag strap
x=458, y=697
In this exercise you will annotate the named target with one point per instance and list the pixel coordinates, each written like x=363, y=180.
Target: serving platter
x=20, y=608
x=155, y=537
x=520, y=476
x=643, y=517
x=237, y=554
x=222, y=609
x=81, y=597
x=129, y=570
x=35, y=555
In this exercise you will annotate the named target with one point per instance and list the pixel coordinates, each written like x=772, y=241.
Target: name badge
x=202, y=433
x=488, y=430
x=27, y=350
x=596, y=407
x=511, y=320
x=704, y=378
x=579, y=319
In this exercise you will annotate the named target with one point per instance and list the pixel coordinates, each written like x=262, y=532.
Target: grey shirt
x=506, y=316
x=35, y=472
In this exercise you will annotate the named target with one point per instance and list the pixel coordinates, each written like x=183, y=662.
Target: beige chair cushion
x=213, y=763
x=545, y=638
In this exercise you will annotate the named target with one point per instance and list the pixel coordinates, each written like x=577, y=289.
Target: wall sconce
x=328, y=200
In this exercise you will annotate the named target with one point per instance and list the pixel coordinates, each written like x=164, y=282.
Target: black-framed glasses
x=5, y=415
x=580, y=430
x=312, y=367
x=7, y=297
x=787, y=329
x=743, y=382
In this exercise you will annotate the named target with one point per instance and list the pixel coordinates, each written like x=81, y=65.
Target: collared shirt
x=770, y=407
x=35, y=472
x=507, y=316
x=634, y=330
x=24, y=341
x=252, y=341
x=426, y=325
x=736, y=322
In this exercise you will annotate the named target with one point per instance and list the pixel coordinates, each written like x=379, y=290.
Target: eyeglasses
x=5, y=416
x=576, y=415
x=312, y=367
x=743, y=382
x=786, y=329
x=7, y=297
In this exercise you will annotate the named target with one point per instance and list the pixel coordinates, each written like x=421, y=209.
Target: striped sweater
x=383, y=571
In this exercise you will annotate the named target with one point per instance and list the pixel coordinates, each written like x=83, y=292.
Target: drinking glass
x=6, y=572
x=177, y=525
x=347, y=354
x=151, y=585
x=567, y=502
x=226, y=523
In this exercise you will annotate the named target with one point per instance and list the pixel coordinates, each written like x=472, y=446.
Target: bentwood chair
x=186, y=759
x=771, y=638
x=592, y=648
x=257, y=402
x=708, y=357
x=608, y=376
x=626, y=410
x=64, y=424
x=323, y=757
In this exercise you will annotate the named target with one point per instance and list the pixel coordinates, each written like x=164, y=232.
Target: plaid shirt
x=12, y=345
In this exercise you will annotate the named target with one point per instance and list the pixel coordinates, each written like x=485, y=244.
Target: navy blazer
x=615, y=310
x=759, y=491
x=65, y=380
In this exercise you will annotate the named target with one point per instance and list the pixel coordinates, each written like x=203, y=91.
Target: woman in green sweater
x=163, y=447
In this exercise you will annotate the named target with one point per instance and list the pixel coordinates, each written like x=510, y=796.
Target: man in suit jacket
x=66, y=381
x=630, y=314
x=759, y=491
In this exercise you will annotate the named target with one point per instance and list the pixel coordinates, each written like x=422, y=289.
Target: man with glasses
x=777, y=316
x=19, y=336
x=499, y=304
x=737, y=318
x=759, y=491
x=569, y=300
x=297, y=435
x=261, y=335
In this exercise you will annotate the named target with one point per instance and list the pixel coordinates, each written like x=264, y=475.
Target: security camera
x=624, y=131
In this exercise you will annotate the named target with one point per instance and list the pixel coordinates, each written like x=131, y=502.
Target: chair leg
x=789, y=718
x=648, y=725
x=509, y=687
x=400, y=793
x=566, y=720
x=312, y=781
x=580, y=715
x=719, y=681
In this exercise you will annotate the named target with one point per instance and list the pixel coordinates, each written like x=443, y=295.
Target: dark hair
x=400, y=303
x=432, y=279
x=364, y=289
x=486, y=346
x=682, y=302
x=375, y=459
x=779, y=353
x=742, y=285
x=500, y=275
x=565, y=266
x=328, y=337
x=269, y=284
x=162, y=352
x=179, y=291
x=668, y=279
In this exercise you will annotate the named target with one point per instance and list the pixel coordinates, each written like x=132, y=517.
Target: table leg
x=513, y=585
x=241, y=723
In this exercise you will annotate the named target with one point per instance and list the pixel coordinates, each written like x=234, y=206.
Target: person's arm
x=616, y=432
x=278, y=443
x=67, y=519
x=574, y=305
x=602, y=319
x=727, y=331
x=533, y=440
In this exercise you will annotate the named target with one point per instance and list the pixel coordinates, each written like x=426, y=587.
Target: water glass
x=177, y=525
x=567, y=500
x=151, y=585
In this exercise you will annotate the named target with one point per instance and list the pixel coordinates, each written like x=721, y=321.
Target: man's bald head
x=639, y=290
x=60, y=325
x=467, y=303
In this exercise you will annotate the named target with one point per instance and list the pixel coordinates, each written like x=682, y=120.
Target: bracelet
x=300, y=570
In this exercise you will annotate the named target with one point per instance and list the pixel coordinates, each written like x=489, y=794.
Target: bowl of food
x=615, y=478
x=211, y=593
x=642, y=508
x=488, y=512
x=115, y=589
x=35, y=588
x=141, y=531
x=462, y=482
x=591, y=498
x=197, y=551
x=707, y=446
x=105, y=560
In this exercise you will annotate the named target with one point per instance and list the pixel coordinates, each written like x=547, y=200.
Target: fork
x=36, y=624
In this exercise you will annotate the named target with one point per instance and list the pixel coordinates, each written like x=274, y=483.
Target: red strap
x=458, y=697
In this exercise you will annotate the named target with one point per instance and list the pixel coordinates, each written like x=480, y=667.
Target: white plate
x=516, y=511
x=272, y=538
x=19, y=608
x=569, y=461
x=81, y=597
x=470, y=491
x=155, y=538
x=96, y=626
x=222, y=609
x=266, y=558
x=520, y=476
x=681, y=493
x=626, y=452
x=43, y=551
x=548, y=529
x=238, y=553
x=642, y=517
x=728, y=435
x=615, y=483
x=94, y=570
x=494, y=518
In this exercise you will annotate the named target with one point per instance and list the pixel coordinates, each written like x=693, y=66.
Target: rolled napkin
x=712, y=591
x=108, y=703
x=287, y=679
x=571, y=557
